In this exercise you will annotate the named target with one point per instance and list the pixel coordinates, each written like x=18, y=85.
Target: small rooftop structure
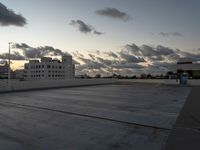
x=185, y=65
x=46, y=59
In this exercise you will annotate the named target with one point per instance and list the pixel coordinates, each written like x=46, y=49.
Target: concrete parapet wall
x=161, y=81
x=194, y=82
x=34, y=85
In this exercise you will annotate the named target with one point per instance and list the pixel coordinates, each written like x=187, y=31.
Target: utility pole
x=9, y=44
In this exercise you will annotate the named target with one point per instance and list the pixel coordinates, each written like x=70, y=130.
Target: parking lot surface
x=106, y=117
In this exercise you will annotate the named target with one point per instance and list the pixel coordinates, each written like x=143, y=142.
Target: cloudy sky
x=104, y=36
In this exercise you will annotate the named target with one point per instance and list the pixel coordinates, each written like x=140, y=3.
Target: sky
x=101, y=27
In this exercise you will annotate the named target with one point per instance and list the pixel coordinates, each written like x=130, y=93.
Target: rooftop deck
x=138, y=117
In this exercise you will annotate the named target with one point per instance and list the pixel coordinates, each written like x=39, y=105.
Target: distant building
x=50, y=69
x=4, y=71
x=18, y=74
x=185, y=65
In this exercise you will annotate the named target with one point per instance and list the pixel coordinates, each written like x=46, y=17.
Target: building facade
x=49, y=69
x=185, y=65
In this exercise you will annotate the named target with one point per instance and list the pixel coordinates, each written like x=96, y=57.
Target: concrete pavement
x=107, y=117
x=186, y=132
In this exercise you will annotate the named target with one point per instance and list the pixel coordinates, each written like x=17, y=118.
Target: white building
x=49, y=69
x=186, y=65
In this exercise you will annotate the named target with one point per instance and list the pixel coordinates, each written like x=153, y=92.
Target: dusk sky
x=102, y=28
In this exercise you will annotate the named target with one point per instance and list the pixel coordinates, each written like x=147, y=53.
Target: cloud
x=133, y=49
x=106, y=62
x=89, y=64
x=92, y=56
x=38, y=52
x=26, y=52
x=84, y=28
x=9, y=17
x=13, y=56
x=113, y=13
x=127, y=65
x=97, y=32
x=111, y=54
x=194, y=56
x=131, y=58
x=154, y=53
x=168, y=34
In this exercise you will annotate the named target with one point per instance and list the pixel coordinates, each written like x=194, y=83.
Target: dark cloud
x=148, y=50
x=153, y=53
x=127, y=65
x=106, y=62
x=84, y=28
x=162, y=50
x=38, y=52
x=131, y=58
x=97, y=32
x=13, y=56
x=21, y=46
x=98, y=64
x=89, y=64
x=133, y=49
x=168, y=34
x=113, y=13
x=9, y=17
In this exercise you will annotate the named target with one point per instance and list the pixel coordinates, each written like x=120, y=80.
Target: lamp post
x=9, y=44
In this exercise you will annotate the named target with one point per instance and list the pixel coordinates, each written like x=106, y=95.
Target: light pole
x=9, y=44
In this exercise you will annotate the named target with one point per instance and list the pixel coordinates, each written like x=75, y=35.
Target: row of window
x=49, y=71
x=33, y=76
x=42, y=66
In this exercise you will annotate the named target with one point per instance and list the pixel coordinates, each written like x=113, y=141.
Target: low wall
x=194, y=82
x=34, y=85
x=161, y=81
